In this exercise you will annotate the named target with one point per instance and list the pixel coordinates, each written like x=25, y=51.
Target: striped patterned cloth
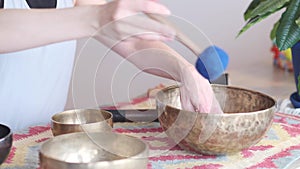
x=278, y=149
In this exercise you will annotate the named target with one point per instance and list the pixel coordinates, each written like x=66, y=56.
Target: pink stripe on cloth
x=31, y=132
x=269, y=162
x=181, y=157
x=11, y=156
x=207, y=166
x=249, y=152
x=288, y=115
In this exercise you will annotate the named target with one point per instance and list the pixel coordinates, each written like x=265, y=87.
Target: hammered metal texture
x=247, y=117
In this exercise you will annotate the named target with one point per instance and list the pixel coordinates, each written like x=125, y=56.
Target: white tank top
x=34, y=83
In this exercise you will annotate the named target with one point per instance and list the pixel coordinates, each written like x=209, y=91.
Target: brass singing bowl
x=105, y=150
x=81, y=120
x=6, y=140
x=247, y=117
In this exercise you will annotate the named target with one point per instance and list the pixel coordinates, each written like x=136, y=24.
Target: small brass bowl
x=247, y=117
x=6, y=139
x=81, y=120
x=105, y=150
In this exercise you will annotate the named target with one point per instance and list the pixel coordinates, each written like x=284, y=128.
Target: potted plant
x=285, y=33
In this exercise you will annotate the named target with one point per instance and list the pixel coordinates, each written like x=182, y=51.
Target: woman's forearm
x=23, y=29
x=153, y=57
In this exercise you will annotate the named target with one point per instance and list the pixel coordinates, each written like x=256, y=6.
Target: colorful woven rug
x=278, y=149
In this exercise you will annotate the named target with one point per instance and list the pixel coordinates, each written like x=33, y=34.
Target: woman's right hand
x=123, y=20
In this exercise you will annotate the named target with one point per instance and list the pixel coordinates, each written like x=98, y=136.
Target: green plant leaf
x=288, y=32
x=251, y=22
x=255, y=19
x=284, y=42
x=268, y=6
x=298, y=21
x=274, y=30
x=250, y=8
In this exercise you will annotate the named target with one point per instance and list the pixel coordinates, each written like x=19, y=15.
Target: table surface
x=277, y=149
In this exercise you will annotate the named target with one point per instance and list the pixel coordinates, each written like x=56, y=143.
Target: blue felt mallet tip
x=212, y=62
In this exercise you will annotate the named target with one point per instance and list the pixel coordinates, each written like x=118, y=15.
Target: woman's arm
x=24, y=29
x=28, y=28
x=153, y=57
x=157, y=58
x=89, y=2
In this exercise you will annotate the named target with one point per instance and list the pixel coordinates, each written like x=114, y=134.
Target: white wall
x=96, y=83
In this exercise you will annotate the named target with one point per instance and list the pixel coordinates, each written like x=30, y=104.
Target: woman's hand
x=115, y=21
x=124, y=19
x=196, y=92
x=121, y=20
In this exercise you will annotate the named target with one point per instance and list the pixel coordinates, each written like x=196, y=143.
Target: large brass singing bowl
x=81, y=120
x=247, y=117
x=105, y=150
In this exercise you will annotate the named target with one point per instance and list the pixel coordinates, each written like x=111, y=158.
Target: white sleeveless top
x=34, y=83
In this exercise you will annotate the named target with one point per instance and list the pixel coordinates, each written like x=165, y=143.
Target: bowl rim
x=274, y=105
x=72, y=124
x=145, y=150
x=10, y=133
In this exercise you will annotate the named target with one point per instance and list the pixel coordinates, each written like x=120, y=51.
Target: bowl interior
x=4, y=131
x=231, y=99
x=93, y=147
x=239, y=100
x=81, y=116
